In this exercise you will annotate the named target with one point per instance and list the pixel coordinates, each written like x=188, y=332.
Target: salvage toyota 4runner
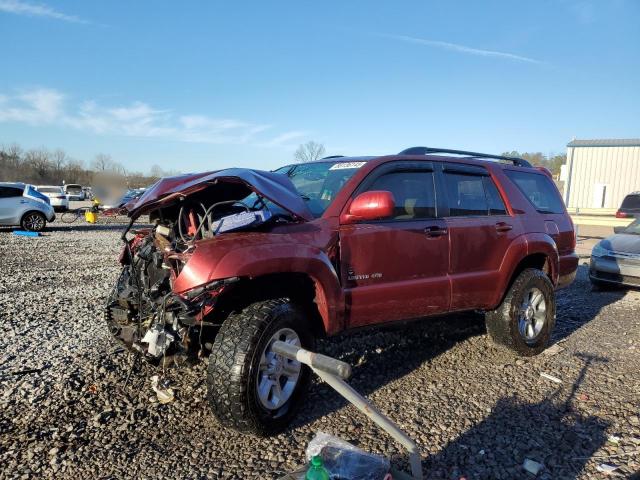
x=240, y=258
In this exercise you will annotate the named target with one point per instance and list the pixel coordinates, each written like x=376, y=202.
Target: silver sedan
x=616, y=259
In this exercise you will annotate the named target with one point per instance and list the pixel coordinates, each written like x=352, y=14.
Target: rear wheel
x=251, y=388
x=525, y=319
x=33, y=222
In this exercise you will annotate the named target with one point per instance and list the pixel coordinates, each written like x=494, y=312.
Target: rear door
x=396, y=268
x=480, y=231
x=11, y=205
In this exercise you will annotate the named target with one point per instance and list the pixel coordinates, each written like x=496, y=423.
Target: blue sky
x=206, y=85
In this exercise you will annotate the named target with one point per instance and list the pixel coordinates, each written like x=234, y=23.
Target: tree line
x=552, y=162
x=53, y=167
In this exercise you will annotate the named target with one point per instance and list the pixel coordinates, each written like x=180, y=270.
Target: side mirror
x=373, y=205
x=619, y=229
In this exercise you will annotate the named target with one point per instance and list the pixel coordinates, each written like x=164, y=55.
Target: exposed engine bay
x=143, y=311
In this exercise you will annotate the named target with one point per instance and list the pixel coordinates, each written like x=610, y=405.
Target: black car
x=630, y=207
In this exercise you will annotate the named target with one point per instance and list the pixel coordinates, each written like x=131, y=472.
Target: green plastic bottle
x=316, y=470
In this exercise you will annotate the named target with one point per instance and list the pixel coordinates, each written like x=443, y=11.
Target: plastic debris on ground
x=614, y=439
x=532, y=466
x=24, y=233
x=550, y=377
x=553, y=350
x=164, y=394
x=606, y=468
x=343, y=460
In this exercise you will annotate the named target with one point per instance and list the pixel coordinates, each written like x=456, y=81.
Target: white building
x=599, y=173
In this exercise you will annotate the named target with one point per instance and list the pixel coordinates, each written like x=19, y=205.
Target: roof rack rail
x=520, y=162
x=332, y=156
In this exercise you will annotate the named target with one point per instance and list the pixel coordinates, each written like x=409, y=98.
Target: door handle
x=435, y=231
x=23, y=201
x=503, y=227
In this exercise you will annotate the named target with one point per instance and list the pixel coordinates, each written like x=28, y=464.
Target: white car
x=57, y=197
x=74, y=191
x=23, y=205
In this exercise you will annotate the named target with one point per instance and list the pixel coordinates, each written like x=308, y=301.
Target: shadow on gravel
x=579, y=304
x=382, y=355
x=550, y=432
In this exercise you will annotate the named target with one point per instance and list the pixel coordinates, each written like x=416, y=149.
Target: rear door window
x=413, y=191
x=10, y=192
x=539, y=190
x=466, y=195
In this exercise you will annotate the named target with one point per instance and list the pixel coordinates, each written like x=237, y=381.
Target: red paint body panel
x=371, y=272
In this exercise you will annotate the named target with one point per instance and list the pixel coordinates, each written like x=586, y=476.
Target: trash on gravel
x=607, y=468
x=24, y=233
x=532, y=466
x=550, y=377
x=583, y=397
x=93, y=388
x=164, y=394
x=614, y=439
x=553, y=350
x=343, y=460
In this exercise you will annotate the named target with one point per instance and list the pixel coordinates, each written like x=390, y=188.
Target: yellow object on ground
x=90, y=216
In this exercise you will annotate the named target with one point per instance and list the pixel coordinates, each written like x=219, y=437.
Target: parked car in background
x=88, y=193
x=74, y=191
x=630, y=206
x=616, y=259
x=123, y=200
x=238, y=259
x=21, y=204
x=58, y=199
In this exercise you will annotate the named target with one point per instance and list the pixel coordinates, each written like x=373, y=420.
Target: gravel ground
x=476, y=411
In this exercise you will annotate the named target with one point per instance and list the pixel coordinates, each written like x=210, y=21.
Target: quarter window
x=413, y=191
x=538, y=189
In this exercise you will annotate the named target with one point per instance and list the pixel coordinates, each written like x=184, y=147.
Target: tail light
x=620, y=214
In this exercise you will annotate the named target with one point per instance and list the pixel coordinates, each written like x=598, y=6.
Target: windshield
x=318, y=183
x=634, y=227
x=74, y=188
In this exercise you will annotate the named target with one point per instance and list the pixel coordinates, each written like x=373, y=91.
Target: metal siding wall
x=617, y=167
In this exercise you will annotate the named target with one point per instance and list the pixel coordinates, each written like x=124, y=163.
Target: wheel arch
x=301, y=271
x=537, y=251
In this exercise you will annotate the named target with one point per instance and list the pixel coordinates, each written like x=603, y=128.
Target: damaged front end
x=158, y=307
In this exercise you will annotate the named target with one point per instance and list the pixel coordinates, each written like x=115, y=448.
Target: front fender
x=252, y=261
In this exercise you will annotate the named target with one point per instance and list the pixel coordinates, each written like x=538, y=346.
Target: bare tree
x=309, y=152
x=102, y=163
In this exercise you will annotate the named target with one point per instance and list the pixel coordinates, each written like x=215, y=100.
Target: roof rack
x=520, y=162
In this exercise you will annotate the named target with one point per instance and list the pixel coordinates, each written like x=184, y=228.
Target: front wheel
x=526, y=317
x=251, y=388
x=33, y=222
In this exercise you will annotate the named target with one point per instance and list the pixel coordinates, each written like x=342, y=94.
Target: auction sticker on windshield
x=346, y=165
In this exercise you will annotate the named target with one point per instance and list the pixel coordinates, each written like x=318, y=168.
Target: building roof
x=606, y=142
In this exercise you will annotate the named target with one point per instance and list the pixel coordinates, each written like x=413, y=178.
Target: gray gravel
x=476, y=411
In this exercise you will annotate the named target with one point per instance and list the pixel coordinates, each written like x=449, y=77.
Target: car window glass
x=496, y=205
x=413, y=192
x=539, y=190
x=466, y=195
x=9, y=192
x=631, y=201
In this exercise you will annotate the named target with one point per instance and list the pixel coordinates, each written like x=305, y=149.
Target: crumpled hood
x=622, y=242
x=235, y=184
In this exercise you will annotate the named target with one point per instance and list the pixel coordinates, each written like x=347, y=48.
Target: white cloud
x=463, y=49
x=42, y=106
x=36, y=10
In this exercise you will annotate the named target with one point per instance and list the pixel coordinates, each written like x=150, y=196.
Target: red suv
x=239, y=258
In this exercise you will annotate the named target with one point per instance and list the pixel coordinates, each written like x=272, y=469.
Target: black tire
x=232, y=376
x=504, y=323
x=33, y=222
